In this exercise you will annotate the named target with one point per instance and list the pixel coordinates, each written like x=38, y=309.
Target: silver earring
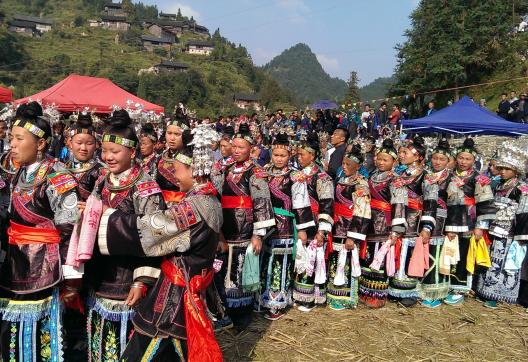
x=39, y=156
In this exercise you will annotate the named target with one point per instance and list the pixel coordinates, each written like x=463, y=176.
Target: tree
x=452, y=43
x=352, y=94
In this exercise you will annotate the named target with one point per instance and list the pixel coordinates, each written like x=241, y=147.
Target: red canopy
x=6, y=95
x=76, y=92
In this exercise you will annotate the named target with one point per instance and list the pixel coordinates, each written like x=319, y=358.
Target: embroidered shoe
x=491, y=304
x=271, y=316
x=336, y=306
x=431, y=303
x=454, y=299
x=408, y=302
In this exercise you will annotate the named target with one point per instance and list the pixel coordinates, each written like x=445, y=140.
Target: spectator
x=394, y=118
x=521, y=114
x=382, y=115
x=430, y=108
x=338, y=140
x=58, y=141
x=514, y=103
x=504, y=106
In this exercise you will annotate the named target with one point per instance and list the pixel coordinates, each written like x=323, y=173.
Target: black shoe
x=223, y=324
x=409, y=302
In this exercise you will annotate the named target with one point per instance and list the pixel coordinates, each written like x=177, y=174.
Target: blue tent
x=465, y=117
x=324, y=104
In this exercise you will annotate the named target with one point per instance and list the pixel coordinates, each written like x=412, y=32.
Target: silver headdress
x=512, y=156
x=203, y=158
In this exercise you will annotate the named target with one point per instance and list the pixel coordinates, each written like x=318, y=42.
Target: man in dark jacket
x=504, y=106
x=338, y=140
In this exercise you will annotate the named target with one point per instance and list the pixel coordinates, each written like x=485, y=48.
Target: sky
x=345, y=35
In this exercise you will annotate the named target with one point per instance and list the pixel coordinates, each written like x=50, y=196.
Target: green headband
x=119, y=140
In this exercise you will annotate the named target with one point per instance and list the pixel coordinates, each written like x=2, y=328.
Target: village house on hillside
x=199, y=47
x=114, y=9
x=23, y=28
x=165, y=16
x=112, y=22
x=151, y=42
x=29, y=25
x=170, y=66
x=247, y=101
x=169, y=32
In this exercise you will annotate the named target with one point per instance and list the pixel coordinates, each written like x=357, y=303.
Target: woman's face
x=83, y=146
x=465, y=161
x=225, y=148
x=493, y=168
x=384, y=161
x=117, y=157
x=241, y=149
x=506, y=173
x=173, y=136
x=406, y=156
x=280, y=157
x=439, y=162
x=305, y=158
x=350, y=167
x=146, y=146
x=25, y=146
x=183, y=174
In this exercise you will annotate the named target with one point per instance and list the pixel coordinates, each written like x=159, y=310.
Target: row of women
x=157, y=247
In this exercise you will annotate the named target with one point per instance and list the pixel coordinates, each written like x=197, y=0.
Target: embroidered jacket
x=380, y=205
x=86, y=175
x=435, y=202
x=289, y=194
x=321, y=193
x=149, y=164
x=352, y=208
x=187, y=234
x=246, y=182
x=511, y=202
x=137, y=194
x=44, y=197
x=407, y=201
x=470, y=202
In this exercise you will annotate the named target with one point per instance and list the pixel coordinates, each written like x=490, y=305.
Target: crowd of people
x=158, y=236
x=513, y=108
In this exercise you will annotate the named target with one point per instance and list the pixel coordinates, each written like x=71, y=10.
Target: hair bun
x=229, y=131
x=147, y=128
x=443, y=144
x=387, y=143
x=84, y=120
x=418, y=141
x=31, y=110
x=356, y=149
x=120, y=119
x=281, y=139
x=468, y=143
x=244, y=128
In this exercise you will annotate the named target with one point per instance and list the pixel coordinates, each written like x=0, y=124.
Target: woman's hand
x=81, y=205
x=137, y=291
x=451, y=235
x=478, y=233
x=319, y=237
x=303, y=237
x=425, y=235
x=349, y=244
x=256, y=242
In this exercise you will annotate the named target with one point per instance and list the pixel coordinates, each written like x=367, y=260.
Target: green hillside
x=298, y=70
x=376, y=89
x=32, y=64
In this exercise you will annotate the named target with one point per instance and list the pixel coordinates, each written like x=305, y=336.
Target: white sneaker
x=305, y=309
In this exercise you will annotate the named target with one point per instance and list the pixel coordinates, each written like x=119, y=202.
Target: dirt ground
x=468, y=332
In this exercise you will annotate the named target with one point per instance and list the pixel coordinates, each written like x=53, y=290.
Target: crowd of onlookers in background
x=513, y=108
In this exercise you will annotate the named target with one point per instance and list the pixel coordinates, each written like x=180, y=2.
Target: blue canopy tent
x=324, y=104
x=466, y=118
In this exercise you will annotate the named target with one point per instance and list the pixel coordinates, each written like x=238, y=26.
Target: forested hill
x=298, y=70
x=31, y=64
